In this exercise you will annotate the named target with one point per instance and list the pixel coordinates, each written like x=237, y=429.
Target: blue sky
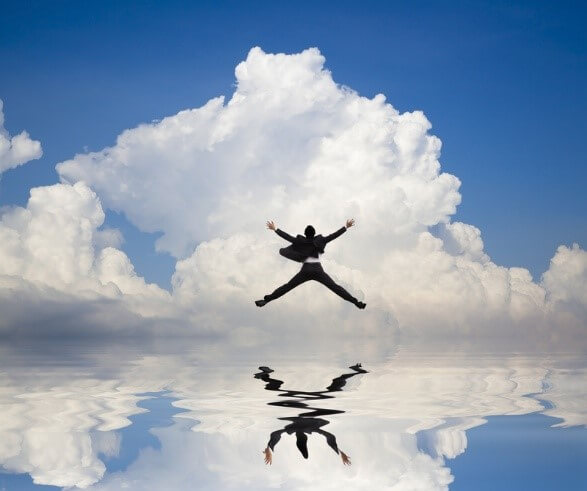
x=503, y=83
x=516, y=453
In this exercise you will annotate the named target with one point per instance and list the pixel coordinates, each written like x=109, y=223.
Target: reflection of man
x=307, y=250
x=302, y=427
x=306, y=422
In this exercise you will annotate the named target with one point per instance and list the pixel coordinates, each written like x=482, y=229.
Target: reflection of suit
x=309, y=421
x=303, y=247
x=303, y=425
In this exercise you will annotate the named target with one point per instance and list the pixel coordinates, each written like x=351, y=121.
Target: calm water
x=199, y=414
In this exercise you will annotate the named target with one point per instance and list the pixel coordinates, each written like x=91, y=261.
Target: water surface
x=200, y=414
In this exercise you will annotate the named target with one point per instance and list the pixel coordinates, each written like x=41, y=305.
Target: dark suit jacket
x=302, y=248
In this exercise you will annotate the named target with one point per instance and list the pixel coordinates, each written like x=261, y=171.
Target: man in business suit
x=307, y=249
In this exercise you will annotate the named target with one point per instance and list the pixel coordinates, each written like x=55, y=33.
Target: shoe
x=358, y=368
x=361, y=305
x=260, y=303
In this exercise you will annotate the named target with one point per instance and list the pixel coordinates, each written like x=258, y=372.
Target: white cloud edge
x=18, y=149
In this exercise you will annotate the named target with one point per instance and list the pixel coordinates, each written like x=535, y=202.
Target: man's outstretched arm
x=349, y=223
x=275, y=437
x=281, y=233
x=331, y=440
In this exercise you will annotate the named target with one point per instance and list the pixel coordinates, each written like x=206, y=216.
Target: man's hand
x=345, y=458
x=268, y=456
x=350, y=222
x=271, y=225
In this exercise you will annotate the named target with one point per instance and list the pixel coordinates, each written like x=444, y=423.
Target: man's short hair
x=310, y=231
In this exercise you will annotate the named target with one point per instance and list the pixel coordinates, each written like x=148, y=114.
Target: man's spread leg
x=328, y=282
x=298, y=279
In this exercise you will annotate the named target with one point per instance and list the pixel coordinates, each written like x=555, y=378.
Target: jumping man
x=307, y=249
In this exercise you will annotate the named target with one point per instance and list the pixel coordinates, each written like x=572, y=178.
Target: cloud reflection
x=60, y=418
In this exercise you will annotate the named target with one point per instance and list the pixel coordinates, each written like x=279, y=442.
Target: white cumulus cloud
x=18, y=149
x=290, y=143
x=53, y=274
x=293, y=145
x=566, y=279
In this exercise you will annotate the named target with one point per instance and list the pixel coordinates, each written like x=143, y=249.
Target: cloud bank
x=292, y=145
x=16, y=150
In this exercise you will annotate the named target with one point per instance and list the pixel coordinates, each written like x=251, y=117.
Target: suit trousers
x=311, y=271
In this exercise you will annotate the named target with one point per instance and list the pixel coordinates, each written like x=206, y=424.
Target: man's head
x=302, y=443
x=310, y=232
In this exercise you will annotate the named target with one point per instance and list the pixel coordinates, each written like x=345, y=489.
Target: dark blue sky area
x=503, y=83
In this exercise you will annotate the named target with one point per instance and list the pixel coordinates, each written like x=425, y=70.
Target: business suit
x=302, y=248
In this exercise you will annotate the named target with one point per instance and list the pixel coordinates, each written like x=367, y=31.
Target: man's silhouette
x=309, y=421
x=307, y=250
